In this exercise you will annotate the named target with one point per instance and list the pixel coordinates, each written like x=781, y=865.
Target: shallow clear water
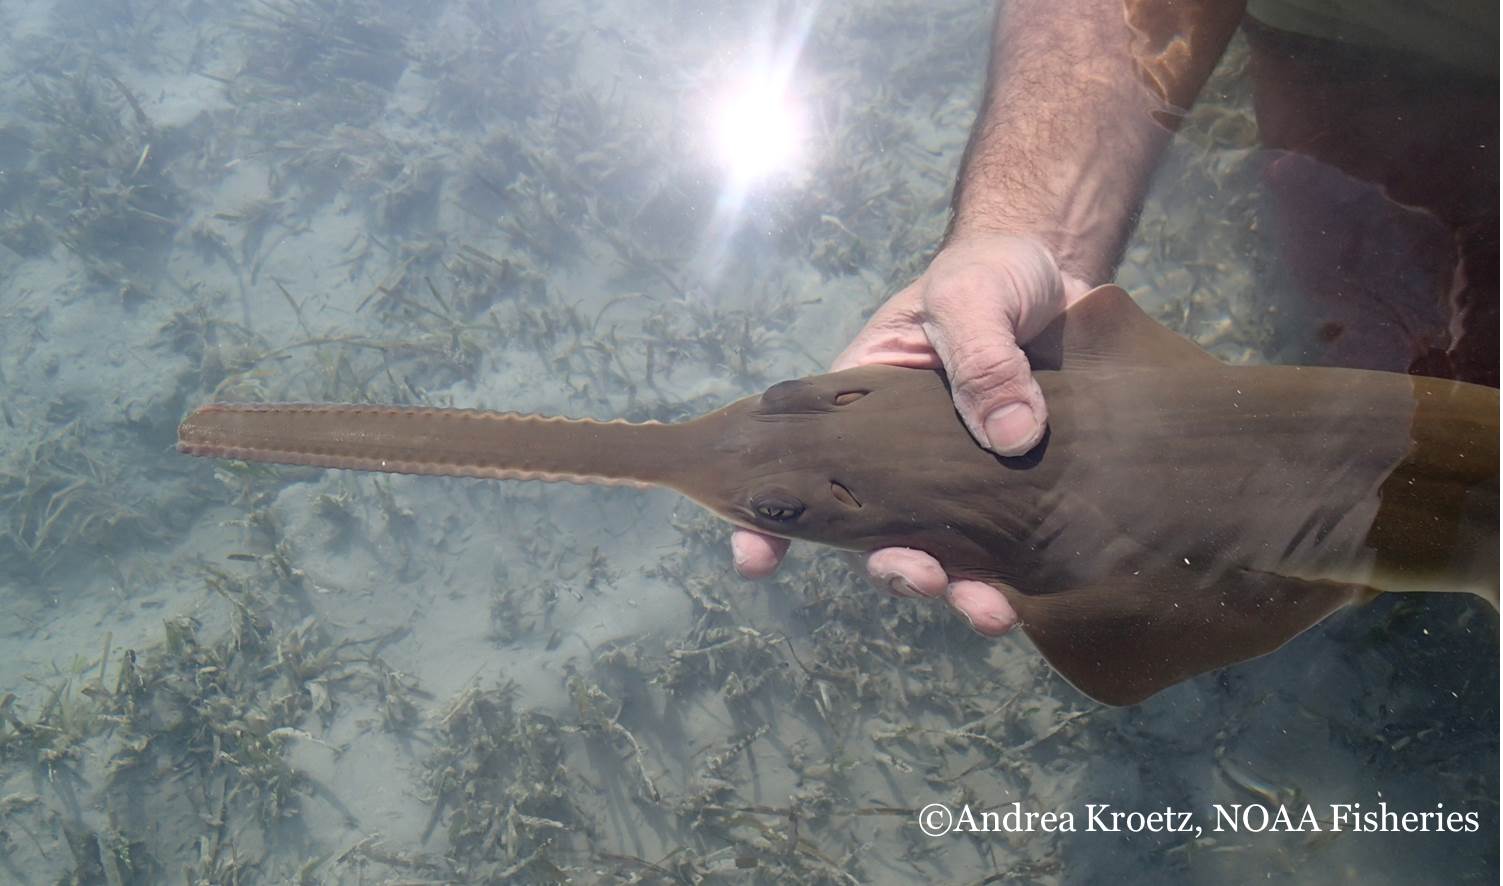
x=245, y=674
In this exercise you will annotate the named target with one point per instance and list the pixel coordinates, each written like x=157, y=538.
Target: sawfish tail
x=444, y=442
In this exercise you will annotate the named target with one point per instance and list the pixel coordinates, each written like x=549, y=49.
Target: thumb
x=994, y=389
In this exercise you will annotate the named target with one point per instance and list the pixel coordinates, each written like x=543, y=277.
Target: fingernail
x=1012, y=429
x=966, y=617
x=900, y=586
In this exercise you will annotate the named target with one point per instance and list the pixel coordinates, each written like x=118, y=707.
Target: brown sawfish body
x=1180, y=515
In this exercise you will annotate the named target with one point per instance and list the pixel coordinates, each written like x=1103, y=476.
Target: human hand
x=980, y=298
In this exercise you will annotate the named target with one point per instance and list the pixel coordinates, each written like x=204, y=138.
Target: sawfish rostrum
x=1180, y=515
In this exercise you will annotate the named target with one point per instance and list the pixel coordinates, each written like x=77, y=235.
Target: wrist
x=1079, y=266
x=1080, y=208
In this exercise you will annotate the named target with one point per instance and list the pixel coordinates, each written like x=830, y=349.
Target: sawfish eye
x=778, y=508
x=846, y=398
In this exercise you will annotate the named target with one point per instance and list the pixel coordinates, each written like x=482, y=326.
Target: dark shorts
x=1383, y=173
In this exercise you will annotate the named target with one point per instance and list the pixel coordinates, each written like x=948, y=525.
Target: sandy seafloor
x=227, y=674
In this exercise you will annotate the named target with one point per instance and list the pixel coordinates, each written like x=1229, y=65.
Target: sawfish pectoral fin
x=1128, y=638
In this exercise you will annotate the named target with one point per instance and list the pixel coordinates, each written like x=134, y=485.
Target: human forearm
x=1081, y=98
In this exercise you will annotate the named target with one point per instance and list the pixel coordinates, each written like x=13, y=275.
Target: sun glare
x=759, y=129
x=755, y=129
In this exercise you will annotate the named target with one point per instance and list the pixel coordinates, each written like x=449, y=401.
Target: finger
x=893, y=336
x=983, y=606
x=907, y=573
x=994, y=389
x=756, y=555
